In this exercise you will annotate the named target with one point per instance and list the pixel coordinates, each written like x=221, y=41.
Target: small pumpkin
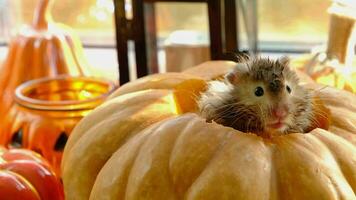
x=145, y=143
x=24, y=175
x=44, y=49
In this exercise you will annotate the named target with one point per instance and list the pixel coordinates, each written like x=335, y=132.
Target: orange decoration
x=24, y=175
x=44, y=49
x=47, y=109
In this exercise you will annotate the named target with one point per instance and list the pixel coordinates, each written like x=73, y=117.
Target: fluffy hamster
x=260, y=95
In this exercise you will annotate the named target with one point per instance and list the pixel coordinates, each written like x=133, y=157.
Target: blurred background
x=281, y=23
x=283, y=26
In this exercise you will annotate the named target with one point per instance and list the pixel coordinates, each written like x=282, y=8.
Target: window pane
x=182, y=31
x=282, y=24
x=292, y=21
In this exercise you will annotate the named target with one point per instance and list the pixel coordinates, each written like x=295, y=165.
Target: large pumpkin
x=147, y=143
x=24, y=175
x=44, y=49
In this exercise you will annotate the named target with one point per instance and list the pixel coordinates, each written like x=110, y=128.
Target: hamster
x=259, y=95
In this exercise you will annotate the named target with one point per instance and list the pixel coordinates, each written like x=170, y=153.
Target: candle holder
x=47, y=110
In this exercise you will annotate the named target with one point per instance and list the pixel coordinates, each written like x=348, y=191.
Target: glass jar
x=47, y=110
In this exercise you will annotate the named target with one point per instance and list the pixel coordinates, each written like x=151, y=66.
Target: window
x=279, y=21
x=293, y=26
x=287, y=25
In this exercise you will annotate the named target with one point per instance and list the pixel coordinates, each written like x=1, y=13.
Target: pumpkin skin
x=174, y=155
x=25, y=175
x=44, y=49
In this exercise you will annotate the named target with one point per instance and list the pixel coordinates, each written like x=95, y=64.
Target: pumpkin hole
x=186, y=93
x=61, y=142
x=16, y=140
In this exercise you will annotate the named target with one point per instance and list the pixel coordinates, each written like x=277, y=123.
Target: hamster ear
x=231, y=77
x=284, y=60
x=234, y=75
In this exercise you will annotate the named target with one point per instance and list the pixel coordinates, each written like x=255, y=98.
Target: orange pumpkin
x=146, y=143
x=24, y=175
x=41, y=50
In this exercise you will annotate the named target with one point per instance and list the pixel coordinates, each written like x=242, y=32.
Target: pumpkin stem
x=41, y=15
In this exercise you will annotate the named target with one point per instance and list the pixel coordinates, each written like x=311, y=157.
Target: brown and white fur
x=233, y=102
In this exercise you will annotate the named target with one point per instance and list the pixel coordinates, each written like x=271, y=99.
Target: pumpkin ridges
x=341, y=117
x=304, y=158
x=61, y=60
x=240, y=167
x=22, y=154
x=343, y=133
x=20, y=64
x=37, y=59
x=263, y=178
x=282, y=145
x=122, y=160
x=33, y=174
x=346, y=164
x=86, y=181
x=108, y=109
x=155, y=81
x=46, y=187
x=184, y=176
x=188, y=119
x=12, y=181
x=330, y=96
x=150, y=169
x=118, y=130
x=6, y=67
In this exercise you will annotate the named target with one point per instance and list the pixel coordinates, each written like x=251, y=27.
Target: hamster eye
x=288, y=89
x=259, y=91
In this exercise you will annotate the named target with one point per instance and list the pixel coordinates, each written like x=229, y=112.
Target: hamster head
x=259, y=95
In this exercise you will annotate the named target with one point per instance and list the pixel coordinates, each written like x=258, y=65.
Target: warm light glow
x=106, y=4
x=337, y=75
x=172, y=104
x=102, y=10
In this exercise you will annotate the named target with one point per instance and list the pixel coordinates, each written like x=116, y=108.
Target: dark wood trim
x=138, y=28
x=183, y=1
x=214, y=12
x=151, y=37
x=121, y=41
x=230, y=26
x=146, y=44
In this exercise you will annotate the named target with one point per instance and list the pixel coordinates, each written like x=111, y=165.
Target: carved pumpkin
x=24, y=175
x=147, y=143
x=46, y=111
x=41, y=50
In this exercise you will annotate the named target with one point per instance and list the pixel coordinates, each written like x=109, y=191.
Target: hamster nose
x=280, y=112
